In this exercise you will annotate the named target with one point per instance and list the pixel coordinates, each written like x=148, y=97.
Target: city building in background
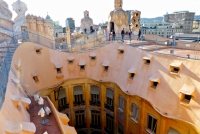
x=129, y=15
x=55, y=24
x=70, y=23
x=184, y=18
x=48, y=18
x=163, y=29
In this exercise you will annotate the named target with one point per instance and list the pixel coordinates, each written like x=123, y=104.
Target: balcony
x=61, y=108
x=95, y=103
x=80, y=126
x=108, y=131
x=78, y=103
x=109, y=107
x=95, y=126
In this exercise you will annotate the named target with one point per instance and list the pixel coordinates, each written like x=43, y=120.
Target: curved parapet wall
x=150, y=70
x=6, y=24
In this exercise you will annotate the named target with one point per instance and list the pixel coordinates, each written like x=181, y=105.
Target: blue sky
x=99, y=9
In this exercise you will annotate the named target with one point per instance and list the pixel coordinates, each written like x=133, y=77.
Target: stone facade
x=40, y=31
x=20, y=8
x=196, y=26
x=86, y=22
x=6, y=24
x=38, y=25
x=118, y=18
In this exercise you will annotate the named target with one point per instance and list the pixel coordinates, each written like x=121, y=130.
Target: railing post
x=156, y=40
x=197, y=46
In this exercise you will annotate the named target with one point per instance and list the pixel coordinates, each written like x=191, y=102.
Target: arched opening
x=112, y=26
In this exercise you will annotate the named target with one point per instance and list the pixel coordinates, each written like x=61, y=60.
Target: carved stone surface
x=40, y=30
x=6, y=24
x=135, y=20
x=20, y=8
x=86, y=22
x=119, y=17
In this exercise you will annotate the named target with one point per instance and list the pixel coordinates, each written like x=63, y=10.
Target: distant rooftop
x=181, y=12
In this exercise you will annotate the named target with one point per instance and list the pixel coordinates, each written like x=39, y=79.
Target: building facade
x=184, y=18
x=163, y=29
x=71, y=24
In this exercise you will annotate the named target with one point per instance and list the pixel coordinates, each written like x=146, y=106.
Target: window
x=95, y=95
x=147, y=62
x=109, y=99
x=154, y=81
x=187, y=98
x=58, y=70
x=121, y=51
x=71, y=62
x=78, y=95
x=120, y=128
x=82, y=67
x=38, y=51
x=109, y=124
x=62, y=100
x=105, y=68
x=95, y=119
x=93, y=58
x=109, y=95
x=80, y=119
x=154, y=85
x=131, y=75
x=176, y=70
x=78, y=98
x=121, y=103
x=62, y=103
x=134, y=112
x=152, y=123
x=35, y=78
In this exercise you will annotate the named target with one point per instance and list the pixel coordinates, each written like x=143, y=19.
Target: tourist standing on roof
x=122, y=33
x=113, y=35
x=139, y=34
x=130, y=33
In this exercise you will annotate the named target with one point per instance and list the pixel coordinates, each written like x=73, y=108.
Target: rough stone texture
x=86, y=22
x=6, y=24
x=135, y=20
x=20, y=8
x=40, y=26
x=119, y=17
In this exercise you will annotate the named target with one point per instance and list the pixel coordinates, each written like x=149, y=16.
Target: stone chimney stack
x=118, y=4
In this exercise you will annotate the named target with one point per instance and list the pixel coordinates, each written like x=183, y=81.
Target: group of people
x=123, y=34
x=91, y=30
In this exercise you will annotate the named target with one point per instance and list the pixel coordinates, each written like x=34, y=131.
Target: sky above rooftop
x=100, y=9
